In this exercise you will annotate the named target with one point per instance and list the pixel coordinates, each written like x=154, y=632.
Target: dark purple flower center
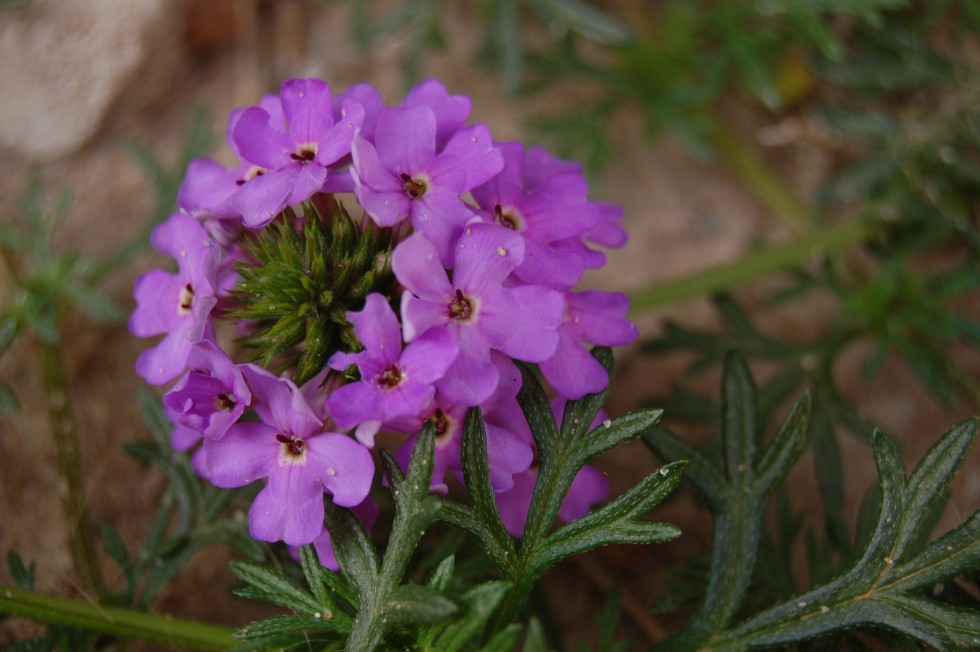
x=186, y=299
x=390, y=378
x=292, y=445
x=461, y=308
x=506, y=218
x=440, y=423
x=224, y=402
x=254, y=171
x=304, y=154
x=414, y=187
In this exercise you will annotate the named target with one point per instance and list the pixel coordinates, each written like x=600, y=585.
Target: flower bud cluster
x=365, y=267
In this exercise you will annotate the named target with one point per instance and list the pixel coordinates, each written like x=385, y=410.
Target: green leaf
x=534, y=639
x=442, y=576
x=479, y=604
x=353, y=548
x=505, y=640
x=587, y=21
x=276, y=586
x=476, y=471
x=738, y=497
x=412, y=604
x=23, y=576
x=618, y=521
x=287, y=625
x=8, y=400
x=886, y=586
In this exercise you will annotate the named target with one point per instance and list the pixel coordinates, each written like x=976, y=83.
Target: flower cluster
x=365, y=267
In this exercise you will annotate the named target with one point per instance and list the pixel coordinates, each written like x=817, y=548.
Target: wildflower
x=477, y=309
x=401, y=175
x=595, y=318
x=543, y=210
x=394, y=382
x=296, y=160
x=212, y=395
x=175, y=305
x=298, y=459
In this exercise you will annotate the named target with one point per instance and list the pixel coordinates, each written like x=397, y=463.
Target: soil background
x=80, y=81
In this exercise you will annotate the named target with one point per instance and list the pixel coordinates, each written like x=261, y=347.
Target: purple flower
x=177, y=305
x=595, y=318
x=480, y=313
x=401, y=175
x=544, y=210
x=212, y=395
x=450, y=111
x=296, y=159
x=394, y=383
x=298, y=460
x=184, y=439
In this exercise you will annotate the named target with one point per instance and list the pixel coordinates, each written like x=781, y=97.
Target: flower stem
x=124, y=623
x=760, y=179
x=753, y=266
x=84, y=554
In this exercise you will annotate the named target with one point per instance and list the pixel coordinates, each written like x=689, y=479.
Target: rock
x=62, y=63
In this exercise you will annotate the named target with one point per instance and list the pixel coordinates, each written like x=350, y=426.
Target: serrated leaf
x=476, y=471
x=880, y=589
x=505, y=640
x=353, y=548
x=479, y=603
x=442, y=577
x=534, y=639
x=117, y=551
x=738, y=498
x=618, y=521
x=22, y=575
x=274, y=584
x=706, y=476
x=591, y=23
x=620, y=430
x=537, y=411
x=313, y=572
x=278, y=625
x=8, y=400
x=96, y=305
x=416, y=604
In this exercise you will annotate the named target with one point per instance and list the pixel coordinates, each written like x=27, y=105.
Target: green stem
x=124, y=623
x=760, y=179
x=84, y=555
x=751, y=267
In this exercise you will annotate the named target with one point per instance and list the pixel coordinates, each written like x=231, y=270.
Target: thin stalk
x=84, y=556
x=751, y=267
x=114, y=621
x=760, y=179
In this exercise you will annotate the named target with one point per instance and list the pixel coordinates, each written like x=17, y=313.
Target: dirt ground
x=81, y=80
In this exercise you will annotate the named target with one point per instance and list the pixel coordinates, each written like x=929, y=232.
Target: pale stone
x=62, y=63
